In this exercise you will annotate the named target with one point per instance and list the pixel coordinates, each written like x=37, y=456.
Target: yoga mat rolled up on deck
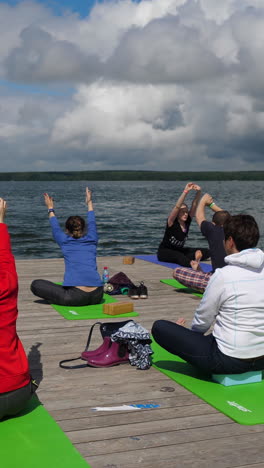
x=175, y=284
x=33, y=439
x=154, y=259
x=242, y=403
x=89, y=312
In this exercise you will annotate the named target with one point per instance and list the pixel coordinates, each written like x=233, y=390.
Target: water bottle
x=105, y=275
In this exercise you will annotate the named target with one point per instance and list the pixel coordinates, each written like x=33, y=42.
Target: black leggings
x=200, y=350
x=65, y=295
x=13, y=402
x=181, y=257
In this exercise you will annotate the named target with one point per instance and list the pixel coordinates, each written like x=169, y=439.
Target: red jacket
x=14, y=369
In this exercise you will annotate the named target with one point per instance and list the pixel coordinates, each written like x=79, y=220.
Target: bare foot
x=195, y=265
x=181, y=321
x=198, y=255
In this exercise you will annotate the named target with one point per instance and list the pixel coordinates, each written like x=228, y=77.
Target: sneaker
x=133, y=293
x=108, y=288
x=142, y=290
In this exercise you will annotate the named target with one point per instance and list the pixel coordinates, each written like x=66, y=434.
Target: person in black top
x=196, y=278
x=172, y=248
x=213, y=231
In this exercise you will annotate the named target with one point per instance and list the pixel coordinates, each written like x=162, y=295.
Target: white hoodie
x=234, y=298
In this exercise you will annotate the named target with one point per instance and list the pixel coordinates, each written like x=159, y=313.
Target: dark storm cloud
x=41, y=58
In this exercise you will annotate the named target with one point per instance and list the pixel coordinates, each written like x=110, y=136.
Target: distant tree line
x=130, y=175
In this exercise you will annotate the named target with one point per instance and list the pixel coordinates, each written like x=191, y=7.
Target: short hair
x=75, y=225
x=243, y=229
x=220, y=217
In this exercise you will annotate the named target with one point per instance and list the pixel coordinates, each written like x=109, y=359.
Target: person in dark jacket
x=195, y=277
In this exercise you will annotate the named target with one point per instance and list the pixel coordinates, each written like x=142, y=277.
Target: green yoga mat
x=242, y=403
x=34, y=440
x=89, y=312
x=173, y=282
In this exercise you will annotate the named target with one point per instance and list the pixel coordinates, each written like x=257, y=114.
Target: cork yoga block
x=128, y=260
x=117, y=308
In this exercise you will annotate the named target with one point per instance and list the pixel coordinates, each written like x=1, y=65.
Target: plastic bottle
x=105, y=275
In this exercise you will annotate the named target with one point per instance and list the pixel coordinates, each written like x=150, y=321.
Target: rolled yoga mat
x=33, y=439
x=242, y=403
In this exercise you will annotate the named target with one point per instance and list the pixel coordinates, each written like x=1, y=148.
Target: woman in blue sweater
x=82, y=284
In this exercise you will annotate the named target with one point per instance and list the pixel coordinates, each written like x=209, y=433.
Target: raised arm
x=196, y=199
x=58, y=234
x=92, y=229
x=214, y=207
x=175, y=210
x=88, y=200
x=206, y=200
x=49, y=202
x=7, y=262
x=2, y=210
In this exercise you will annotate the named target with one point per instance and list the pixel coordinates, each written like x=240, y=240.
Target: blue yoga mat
x=154, y=259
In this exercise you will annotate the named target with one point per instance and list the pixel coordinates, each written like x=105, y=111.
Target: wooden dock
x=183, y=432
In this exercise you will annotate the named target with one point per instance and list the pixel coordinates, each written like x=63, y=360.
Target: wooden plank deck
x=183, y=432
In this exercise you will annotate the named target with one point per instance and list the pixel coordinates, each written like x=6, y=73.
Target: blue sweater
x=79, y=254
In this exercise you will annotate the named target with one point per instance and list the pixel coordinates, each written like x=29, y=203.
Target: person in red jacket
x=15, y=381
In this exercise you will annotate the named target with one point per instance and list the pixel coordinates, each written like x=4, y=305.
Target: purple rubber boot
x=116, y=354
x=102, y=349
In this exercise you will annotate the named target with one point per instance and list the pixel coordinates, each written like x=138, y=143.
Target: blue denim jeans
x=200, y=350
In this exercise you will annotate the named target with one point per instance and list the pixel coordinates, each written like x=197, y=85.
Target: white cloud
x=128, y=116
x=164, y=84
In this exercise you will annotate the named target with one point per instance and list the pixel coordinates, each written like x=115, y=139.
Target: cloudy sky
x=122, y=84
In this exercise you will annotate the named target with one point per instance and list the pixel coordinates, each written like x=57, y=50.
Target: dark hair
x=183, y=206
x=220, y=217
x=75, y=226
x=243, y=229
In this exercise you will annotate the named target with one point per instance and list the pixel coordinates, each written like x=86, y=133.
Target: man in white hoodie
x=234, y=302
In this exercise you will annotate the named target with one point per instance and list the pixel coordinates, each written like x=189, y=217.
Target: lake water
x=131, y=216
